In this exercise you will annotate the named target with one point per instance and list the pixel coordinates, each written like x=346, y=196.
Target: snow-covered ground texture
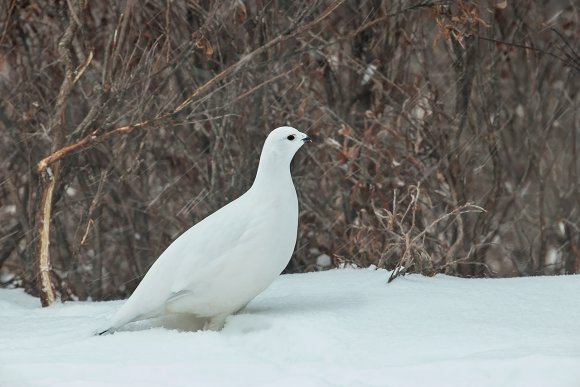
x=337, y=328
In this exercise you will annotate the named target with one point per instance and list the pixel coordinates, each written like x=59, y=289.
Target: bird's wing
x=226, y=235
x=176, y=296
x=185, y=262
x=204, y=288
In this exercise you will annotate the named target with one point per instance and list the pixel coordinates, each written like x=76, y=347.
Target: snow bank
x=335, y=328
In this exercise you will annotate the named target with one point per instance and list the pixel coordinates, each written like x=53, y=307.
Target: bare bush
x=124, y=123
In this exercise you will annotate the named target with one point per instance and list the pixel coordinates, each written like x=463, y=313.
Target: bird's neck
x=273, y=171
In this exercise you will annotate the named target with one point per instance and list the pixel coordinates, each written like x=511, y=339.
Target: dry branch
x=49, y=179
x=94, y=138
x=386, y=107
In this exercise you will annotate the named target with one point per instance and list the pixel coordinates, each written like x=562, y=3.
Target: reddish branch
x=91, y=140
x=49, y=177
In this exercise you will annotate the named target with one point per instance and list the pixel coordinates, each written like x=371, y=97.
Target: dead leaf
x=302, y=108
x=203, y=44
x=241, y=11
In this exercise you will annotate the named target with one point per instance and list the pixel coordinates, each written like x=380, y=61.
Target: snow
x=337, y=328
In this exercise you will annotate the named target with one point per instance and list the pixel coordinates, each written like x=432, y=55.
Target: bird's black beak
x=306, y=139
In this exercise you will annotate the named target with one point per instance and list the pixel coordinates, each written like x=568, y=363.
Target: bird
x=215, y=268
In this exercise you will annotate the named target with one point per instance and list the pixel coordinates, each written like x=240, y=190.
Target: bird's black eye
x=291, y=137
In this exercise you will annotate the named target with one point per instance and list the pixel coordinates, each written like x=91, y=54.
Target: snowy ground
x=336, y=328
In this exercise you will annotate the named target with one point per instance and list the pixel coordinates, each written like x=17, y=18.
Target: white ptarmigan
x=217, y=266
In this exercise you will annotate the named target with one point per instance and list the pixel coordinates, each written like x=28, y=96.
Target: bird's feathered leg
x=215, y=323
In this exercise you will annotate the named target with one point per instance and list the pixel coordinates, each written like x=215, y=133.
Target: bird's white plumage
x=217, y=266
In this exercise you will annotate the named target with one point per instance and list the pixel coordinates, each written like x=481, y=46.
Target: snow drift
x=340, y=328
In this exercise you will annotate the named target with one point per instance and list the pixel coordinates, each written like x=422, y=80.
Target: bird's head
x=277, y=153
x=285, y=141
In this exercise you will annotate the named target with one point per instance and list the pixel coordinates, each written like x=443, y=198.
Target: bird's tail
x=118, y=320
x=121, y=319
x=106, y=331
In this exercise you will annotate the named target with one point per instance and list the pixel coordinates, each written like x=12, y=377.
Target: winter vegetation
x=445, y=133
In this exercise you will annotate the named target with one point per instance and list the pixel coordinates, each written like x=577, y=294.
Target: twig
x=248, y=57
x=94, y=138
x=526, y=47
x=91, y=140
